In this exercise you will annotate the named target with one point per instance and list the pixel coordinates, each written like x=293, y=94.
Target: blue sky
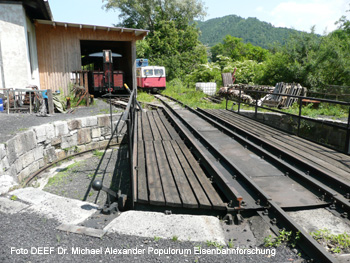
x=297, y=14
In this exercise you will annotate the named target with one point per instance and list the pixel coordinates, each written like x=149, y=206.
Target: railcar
x=151, y=78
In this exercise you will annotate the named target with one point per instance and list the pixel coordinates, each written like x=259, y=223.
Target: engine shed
x=65, y=47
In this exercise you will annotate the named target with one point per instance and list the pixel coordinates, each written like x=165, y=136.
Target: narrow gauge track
x=264, y=205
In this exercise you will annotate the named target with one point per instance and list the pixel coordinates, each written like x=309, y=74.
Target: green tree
x=144, y=13
x=235, y=49
x=173, y=38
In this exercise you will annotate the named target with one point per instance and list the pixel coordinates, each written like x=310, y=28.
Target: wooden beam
x=86, y=85
x=50, y=102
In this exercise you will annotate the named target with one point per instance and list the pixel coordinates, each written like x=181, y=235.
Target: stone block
x=50, y=131
x=96, y=133
x=89, y=121
x=6, y=183
x=38, y=153
x=26, y=172
x=5, y=163
x=18, y=164
x=20, y=144
x=61, y=128
x=84, y=136
x=73, y=132
x=27, y=158
x=81, y=148
x=103, y=144
x=74, y=124
x=12, y=171
x=69, y=141
x=23, y=174
x=40, y=132
x=41, y=163
x=50, y=155
x=61, y=154
x=105, y=131
x=2, y=151
x=103, y=121
x=93, y=145
x=56, y=141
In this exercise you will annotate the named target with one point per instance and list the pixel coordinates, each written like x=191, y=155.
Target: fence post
x=256, y=107
x=299, y=117
x=239, y=100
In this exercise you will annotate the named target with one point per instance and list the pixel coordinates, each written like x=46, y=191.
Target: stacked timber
x=276, y=98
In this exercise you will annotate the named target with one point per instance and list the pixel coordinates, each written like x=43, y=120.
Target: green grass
x=156, y=239
x=214, y=244
x=284, y=237
x=337, y=243
x=145, y=97
x=189, y=96
x=324, y=109
x=98, y=153
x=64, y=174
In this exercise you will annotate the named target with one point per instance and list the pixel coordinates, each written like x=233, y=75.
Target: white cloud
x=302, y=15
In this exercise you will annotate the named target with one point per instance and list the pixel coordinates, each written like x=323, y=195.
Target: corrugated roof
x=137, y=32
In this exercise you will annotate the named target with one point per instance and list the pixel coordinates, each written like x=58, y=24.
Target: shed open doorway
x=122, y=61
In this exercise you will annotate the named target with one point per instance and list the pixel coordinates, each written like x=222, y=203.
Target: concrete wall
x=29, y=151
x=14, y=55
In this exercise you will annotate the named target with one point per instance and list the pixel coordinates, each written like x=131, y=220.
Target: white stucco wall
x=14, y=26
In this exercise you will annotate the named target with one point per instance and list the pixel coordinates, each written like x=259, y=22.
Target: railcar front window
x=158, y=72
x=148, y=72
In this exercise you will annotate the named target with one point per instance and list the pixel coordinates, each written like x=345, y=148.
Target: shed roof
x=137, y=32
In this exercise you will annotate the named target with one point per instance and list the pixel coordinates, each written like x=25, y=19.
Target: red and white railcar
x=151, y=78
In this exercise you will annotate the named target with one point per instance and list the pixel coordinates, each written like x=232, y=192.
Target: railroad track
x=210, y=136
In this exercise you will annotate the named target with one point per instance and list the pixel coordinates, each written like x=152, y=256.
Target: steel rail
x=308, y=244
x=230, y=192
x=265, y=149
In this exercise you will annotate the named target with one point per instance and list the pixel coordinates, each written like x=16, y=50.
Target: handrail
x=129, y=116
x=346, y=146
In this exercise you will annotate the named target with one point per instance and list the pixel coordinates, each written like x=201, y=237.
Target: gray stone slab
x=184, y=227
x=65, y=210
x=317, y=219
x=82, y=230
x=11, y=207
x=6, y=182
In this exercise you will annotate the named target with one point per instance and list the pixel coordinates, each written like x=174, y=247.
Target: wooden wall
x=59, y=52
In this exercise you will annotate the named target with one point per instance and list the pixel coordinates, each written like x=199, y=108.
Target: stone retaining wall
x=31, y=150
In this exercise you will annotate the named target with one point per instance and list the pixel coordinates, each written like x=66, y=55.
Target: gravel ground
x=28, y=231
x=13, y=123
x=73, y=181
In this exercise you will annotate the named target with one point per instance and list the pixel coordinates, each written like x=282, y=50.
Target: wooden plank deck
x=167, y=173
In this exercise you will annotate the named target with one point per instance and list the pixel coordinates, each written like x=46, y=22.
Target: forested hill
x=250, y=30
